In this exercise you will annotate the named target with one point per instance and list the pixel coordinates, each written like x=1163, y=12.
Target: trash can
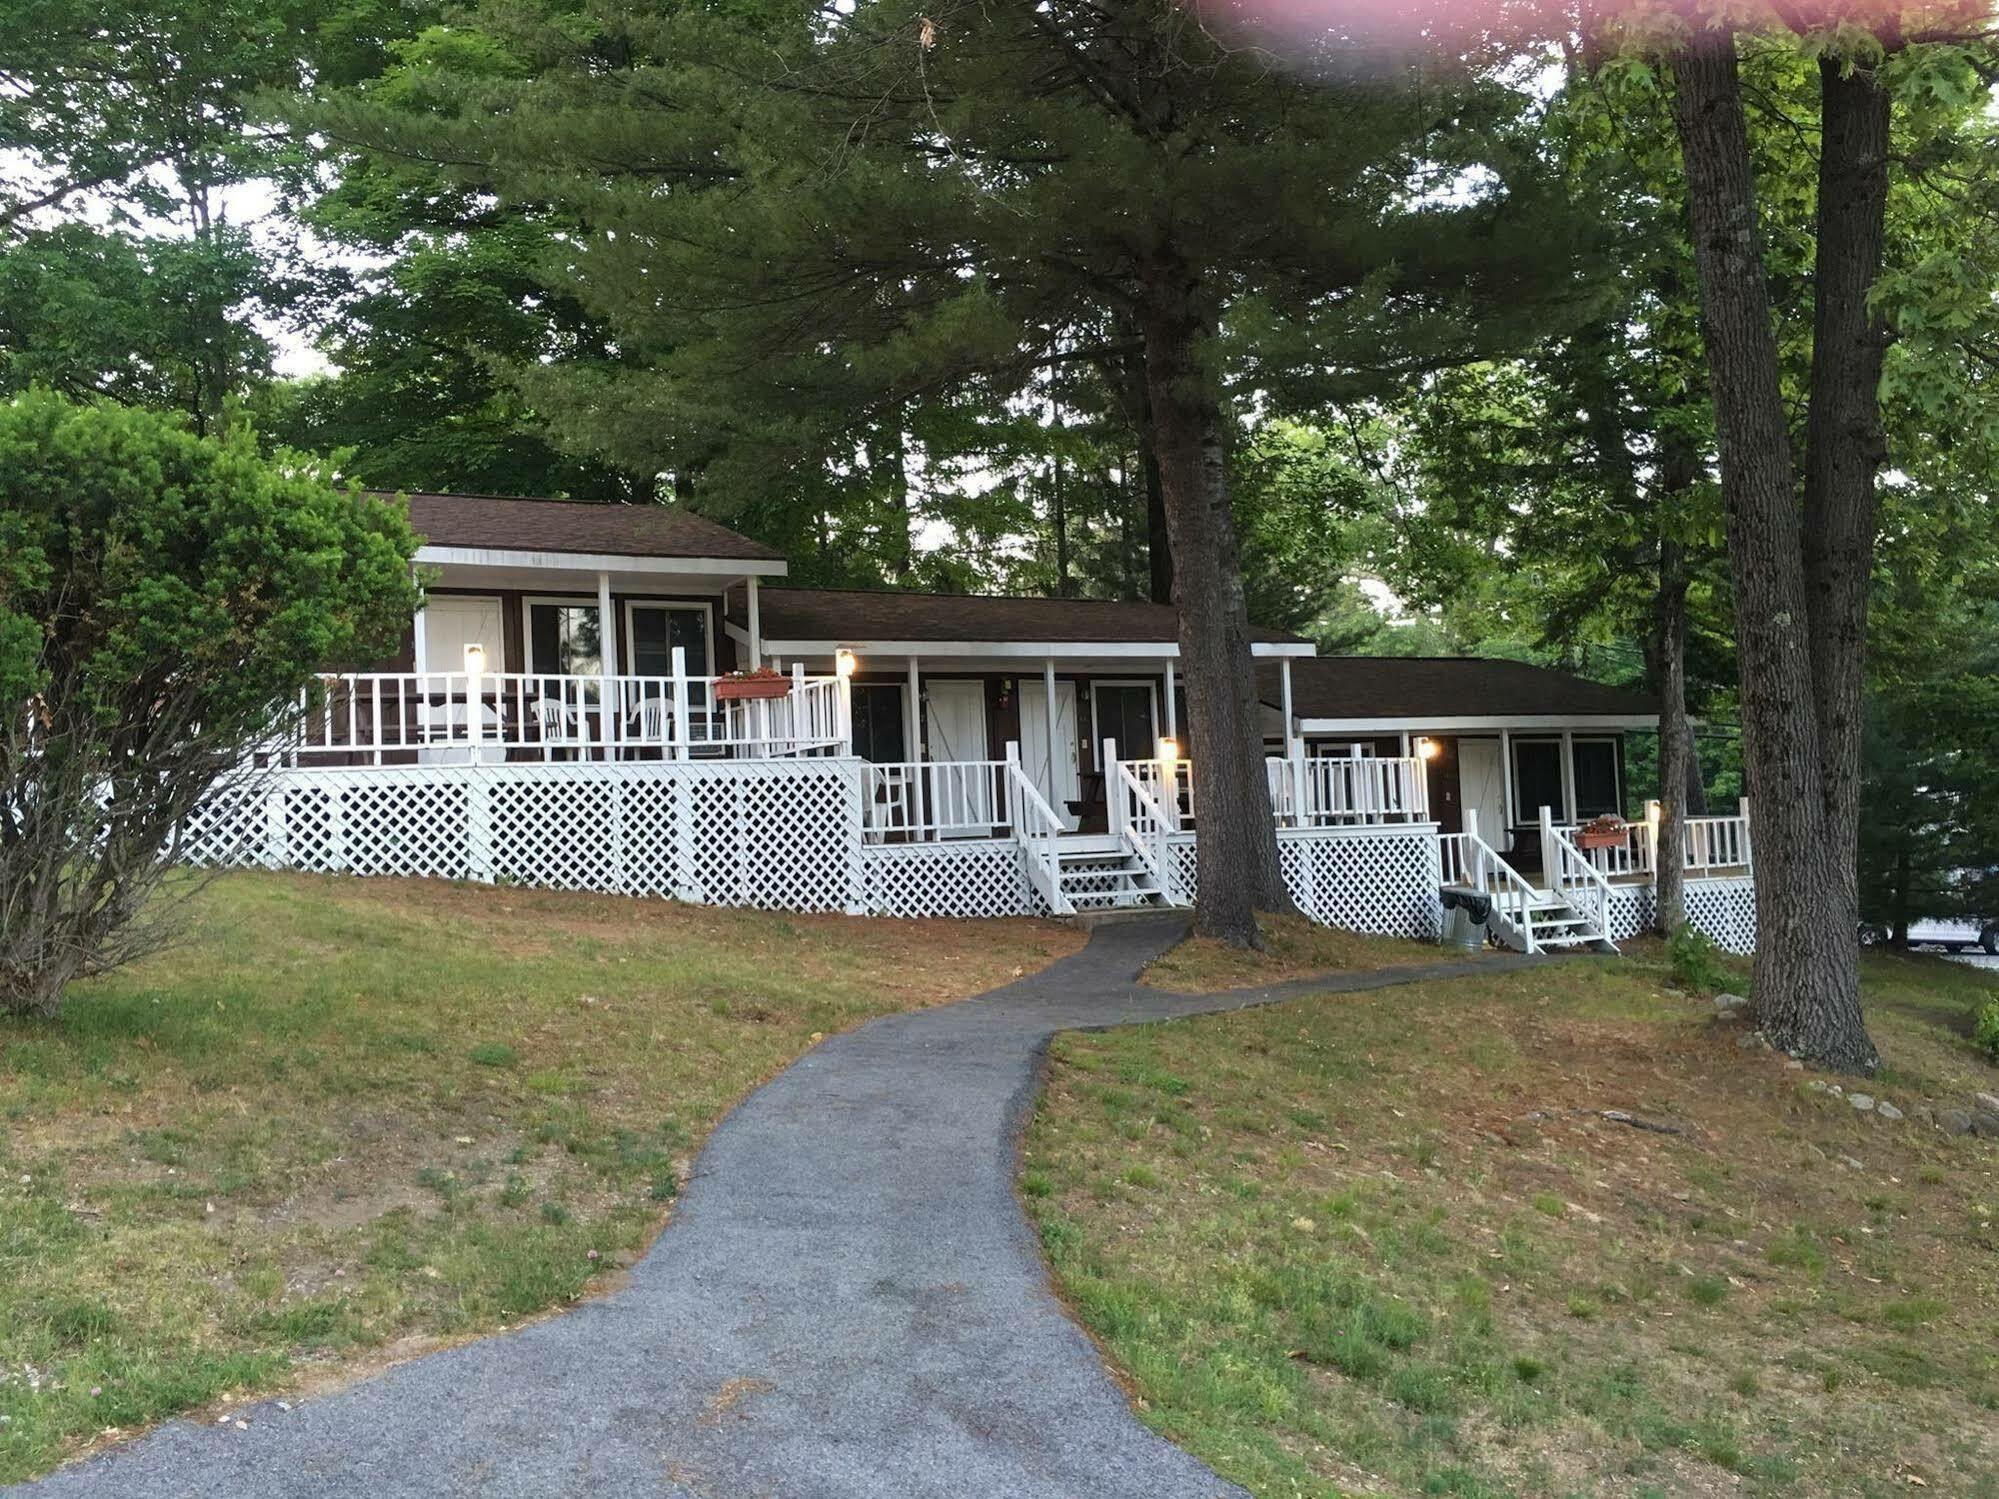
x=1462, y=931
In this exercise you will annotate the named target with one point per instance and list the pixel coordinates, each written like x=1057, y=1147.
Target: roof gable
x=495, y=522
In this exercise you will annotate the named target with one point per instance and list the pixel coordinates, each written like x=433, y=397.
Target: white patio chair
x=555, y=724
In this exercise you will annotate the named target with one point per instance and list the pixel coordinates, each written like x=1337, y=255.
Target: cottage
x=628, y=698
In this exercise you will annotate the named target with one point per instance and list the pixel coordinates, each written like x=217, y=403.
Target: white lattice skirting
x=777, y=834
x=1381, y=880
x=1723, y=910
x=963, y=877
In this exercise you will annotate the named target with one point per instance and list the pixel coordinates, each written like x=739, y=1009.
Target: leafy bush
x=1697, y=963
x=1985, y=1028
x=163, y=600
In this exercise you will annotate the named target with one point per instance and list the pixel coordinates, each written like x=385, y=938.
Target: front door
x=1482, y=784
x=1123, y=711
x=1064, y=785
x=960, y=800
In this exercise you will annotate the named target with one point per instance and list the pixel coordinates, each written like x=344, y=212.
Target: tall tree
x=1801, y=541
x=802, y=221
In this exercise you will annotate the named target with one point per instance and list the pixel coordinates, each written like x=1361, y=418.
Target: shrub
x=1985, y=1028
x=1697, y=963
x=164, y=598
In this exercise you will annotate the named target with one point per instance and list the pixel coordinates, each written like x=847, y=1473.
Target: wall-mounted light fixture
x=846, y=663
x=1169, y=749
x=1427, y=748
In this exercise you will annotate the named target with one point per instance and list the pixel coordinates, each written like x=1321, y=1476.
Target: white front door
x=1482, y=787
x=1065, y=784
x=960, y=798
x=450, y=624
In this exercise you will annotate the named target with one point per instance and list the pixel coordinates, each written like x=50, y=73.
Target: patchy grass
x=1293, y=948
x=1388, y=1243
x=347, y=1119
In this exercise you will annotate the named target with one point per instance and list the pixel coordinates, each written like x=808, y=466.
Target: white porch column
x=1568, y=775
x=607, y=660
x=1172, y=713
x=1048, y=704
x=915, y=710
x=1510, y=813
x=420, y=649
x=756, y=626
x=1284, y=676
x=683, y=728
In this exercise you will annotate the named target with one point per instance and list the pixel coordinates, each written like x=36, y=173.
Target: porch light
x=846, y=663
x=475, y=659
x=1169, y=749
x=1652, y=812
x=1426, y=748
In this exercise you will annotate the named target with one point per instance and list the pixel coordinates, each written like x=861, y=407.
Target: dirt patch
x=1294, y=948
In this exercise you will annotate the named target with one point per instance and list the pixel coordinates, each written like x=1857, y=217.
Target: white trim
x=635, y=602
x=1151, y=685
x=1007, y=650
x=596, y=562
x=1532, y=721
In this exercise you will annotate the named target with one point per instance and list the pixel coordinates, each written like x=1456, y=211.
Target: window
x=1596, y=778
x=1537, y=778
x=563, y=640
x=657, y=628
x=1343, y=749
x=880, y=735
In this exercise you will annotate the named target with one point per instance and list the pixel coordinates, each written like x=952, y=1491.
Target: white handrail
x=1143, y=824
x=1037, y=829
x=1579, y=881
x=1469, y=860
x=928, y=799
x=1328, y=790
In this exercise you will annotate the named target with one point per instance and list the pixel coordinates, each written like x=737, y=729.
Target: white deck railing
x=457, y=717
x=925, y=799
x=1328, y=791
x=1714, y=845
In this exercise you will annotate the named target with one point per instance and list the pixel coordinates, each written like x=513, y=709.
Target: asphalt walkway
x=848, y=1302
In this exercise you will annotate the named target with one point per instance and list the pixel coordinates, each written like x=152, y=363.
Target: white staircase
x=1105, y=879
x=1572, y=910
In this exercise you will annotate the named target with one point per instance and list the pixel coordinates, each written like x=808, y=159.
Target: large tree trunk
x=1844, y=444
x=1158, y=544
x=1807, y=990
x=1237, y=847
x=1669, y=680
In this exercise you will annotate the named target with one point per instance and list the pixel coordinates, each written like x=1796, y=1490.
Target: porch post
x=756, y=626
x=915, y=714
x=1172, y=714
x=607, y=660
x=1048, y=703
x=683, y=730
x=420, y=650
x=1506, y=785
x=1284, y=676
x=1568, y=775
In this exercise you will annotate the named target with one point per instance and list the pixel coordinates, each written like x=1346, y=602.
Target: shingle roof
x=943, y=618
x=484, y=520
x=1444, y=687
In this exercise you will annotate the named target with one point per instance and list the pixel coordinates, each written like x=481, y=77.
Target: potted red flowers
x=763, y=682
x=1607, y=831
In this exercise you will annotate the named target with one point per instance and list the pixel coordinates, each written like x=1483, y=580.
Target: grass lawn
x=345, y=1120
x=1388, y=1243
x=1293, y=948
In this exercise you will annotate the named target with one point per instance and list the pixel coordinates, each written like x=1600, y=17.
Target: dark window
x=879, y=731
x=1596, y=778
x=1537, y=778
x=1124, y=714
x=656, y=631
x=563, y=639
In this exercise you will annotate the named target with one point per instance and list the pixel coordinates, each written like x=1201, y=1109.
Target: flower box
x=1602, y=835
x=739, y=689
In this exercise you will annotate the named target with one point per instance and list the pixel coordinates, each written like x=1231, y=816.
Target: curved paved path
x=848, y=1302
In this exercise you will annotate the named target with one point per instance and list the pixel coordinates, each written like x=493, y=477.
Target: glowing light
x=1169, y=749
x=1427, y=748
x=475, y=658
x=846, y=663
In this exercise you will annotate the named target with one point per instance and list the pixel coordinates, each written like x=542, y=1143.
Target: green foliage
x=1697, y=964
x=165, y=601
x=1985, y=1028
